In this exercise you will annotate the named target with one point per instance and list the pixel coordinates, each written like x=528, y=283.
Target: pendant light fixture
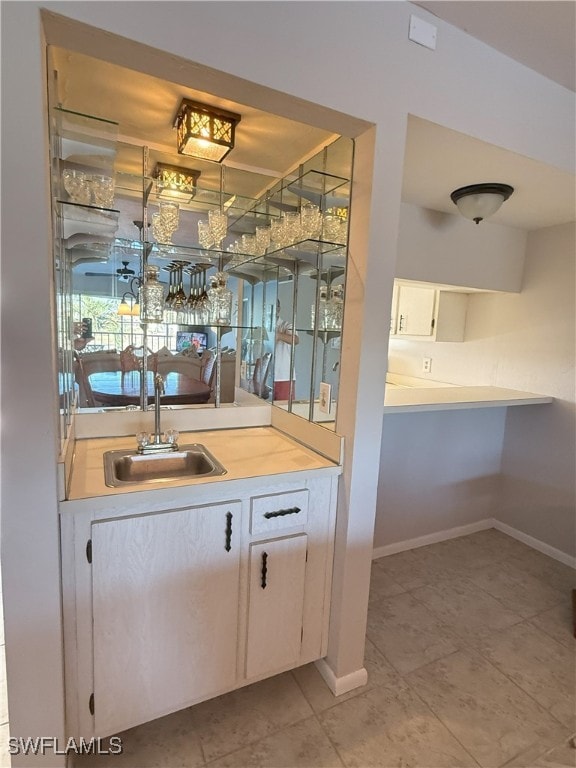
x=205, y=132
x=479, y=201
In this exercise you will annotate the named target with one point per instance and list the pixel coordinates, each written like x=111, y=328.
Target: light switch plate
x=325, y=397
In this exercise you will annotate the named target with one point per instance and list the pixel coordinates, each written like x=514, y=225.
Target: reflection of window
x=113, y=331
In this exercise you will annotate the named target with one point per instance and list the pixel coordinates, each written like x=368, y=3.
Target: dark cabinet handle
x=264, y=569
x=282, y=512
x=228, y=545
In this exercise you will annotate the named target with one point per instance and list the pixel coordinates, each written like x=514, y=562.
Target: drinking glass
x=293, y=232
x=205, y=237
x=331, y=227
x=218, y=222
x=102, y=190
x=76, y=185
x=249, y=244
x=170, y=213
x=278, y=232
x=262, y=239
x=158, y=229
x=310, y=220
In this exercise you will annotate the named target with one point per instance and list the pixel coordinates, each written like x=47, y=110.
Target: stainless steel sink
x=133, y=468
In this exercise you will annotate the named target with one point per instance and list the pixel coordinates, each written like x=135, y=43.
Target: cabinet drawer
x=278, y=511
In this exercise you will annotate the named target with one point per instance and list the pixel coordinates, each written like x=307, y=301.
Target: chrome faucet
x=158, y=444
x=159, y=390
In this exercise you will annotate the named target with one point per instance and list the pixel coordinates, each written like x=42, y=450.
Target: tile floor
x=470, y=659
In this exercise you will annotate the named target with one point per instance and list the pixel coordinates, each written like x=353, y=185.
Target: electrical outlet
x=427, y=365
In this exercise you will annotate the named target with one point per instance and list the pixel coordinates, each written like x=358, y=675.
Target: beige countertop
x=245, y=453
x=410, y=395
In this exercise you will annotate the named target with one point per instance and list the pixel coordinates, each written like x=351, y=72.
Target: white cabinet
x=420, y=312
x=165, y=611
x=275, y=604
x=167, y=608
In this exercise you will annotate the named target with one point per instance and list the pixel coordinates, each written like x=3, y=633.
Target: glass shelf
x=85, y=139
x=85, y=220
x=322, y=189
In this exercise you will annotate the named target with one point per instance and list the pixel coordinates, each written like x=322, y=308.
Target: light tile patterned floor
x=471, y=663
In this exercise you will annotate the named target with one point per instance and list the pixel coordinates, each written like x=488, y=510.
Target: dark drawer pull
x=228, y=545
x=264, y=569
x=282, y=512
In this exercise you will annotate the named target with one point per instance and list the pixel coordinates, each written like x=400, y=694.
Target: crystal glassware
x=278, y=232
x=293, y=231
x=335, y=308
x=220, y=298
x=151, y=297
x=169, y=213
x=205, y=237
x=322, y=309
x=102, y=190
x=77, y=186
x=310, y=220
x=218, y=223
x=331, y=227
x=262, y=239
x=249, y=244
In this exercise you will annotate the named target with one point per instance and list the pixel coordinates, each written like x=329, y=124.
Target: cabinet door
x=415, y=311
x=165, y=606
x=276, y=604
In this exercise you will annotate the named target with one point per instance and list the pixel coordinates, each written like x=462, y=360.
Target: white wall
x=440, y=247
x=522, y=341
x=352, y=57
x=539, y=458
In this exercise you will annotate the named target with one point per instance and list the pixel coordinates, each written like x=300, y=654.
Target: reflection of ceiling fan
x=124, y=273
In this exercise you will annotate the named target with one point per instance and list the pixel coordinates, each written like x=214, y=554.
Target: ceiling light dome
x=479, y=201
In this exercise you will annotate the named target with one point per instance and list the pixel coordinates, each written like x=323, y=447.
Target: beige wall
x=439, y=247
x=351, y=57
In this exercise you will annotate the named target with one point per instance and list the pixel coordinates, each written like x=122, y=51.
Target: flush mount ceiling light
x=205, y=132
x=175, y=183
x=479, y=201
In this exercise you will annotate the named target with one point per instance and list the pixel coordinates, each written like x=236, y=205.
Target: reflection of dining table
x=117, y=388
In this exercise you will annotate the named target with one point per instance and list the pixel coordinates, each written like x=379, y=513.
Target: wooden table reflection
x=113, y=388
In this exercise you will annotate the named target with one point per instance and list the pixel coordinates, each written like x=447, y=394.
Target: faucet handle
x=171, y=436
x=142, y=438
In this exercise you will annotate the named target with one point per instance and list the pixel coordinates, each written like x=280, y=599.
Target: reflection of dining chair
x=131, y=359
x=261, y=370
x=88, y=363
x=209, y=372
x=190, y=366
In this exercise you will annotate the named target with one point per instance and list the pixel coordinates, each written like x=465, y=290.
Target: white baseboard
x=541, y=546
x=340, y=685
x=464, y=530
x=433, y=538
